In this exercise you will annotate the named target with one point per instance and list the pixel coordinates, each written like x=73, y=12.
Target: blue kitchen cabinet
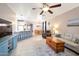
x=7, y=44
x=4, y=45
x=24, y=35
x=4, y=48
x=14, y=40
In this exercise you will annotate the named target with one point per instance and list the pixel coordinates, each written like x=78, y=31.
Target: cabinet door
x=4, y=48
x=14, y=39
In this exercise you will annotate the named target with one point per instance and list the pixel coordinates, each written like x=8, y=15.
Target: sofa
x=71, y=41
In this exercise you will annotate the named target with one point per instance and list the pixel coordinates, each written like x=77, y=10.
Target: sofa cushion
x=68, y=36
x=76, y=41
x=62, y=35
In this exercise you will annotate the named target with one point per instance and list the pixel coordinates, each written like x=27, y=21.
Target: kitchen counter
x=8, y=37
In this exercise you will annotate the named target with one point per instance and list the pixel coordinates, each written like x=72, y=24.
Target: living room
x=30, y=24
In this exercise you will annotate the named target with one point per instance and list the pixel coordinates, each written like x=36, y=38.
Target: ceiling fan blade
x=58, y=5
x=50, y=11
x=41, y=13
x=36, y=8
x=33, y=8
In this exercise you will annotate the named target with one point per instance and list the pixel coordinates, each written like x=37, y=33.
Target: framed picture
x=73, y=22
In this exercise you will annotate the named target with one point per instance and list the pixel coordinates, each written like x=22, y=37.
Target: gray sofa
x=71, y=42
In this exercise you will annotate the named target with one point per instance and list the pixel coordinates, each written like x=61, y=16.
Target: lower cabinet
x=14, y=41
x=4, y=48
x=7, y=44
x=24, y=35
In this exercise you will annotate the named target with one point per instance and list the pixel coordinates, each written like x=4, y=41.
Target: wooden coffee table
x=56, y=44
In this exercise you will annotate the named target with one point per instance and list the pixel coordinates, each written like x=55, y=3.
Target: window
x=20, y=28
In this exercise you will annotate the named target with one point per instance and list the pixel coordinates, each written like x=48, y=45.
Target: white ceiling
x=25, y=9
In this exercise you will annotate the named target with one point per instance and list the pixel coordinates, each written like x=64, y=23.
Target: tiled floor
x=36, y=46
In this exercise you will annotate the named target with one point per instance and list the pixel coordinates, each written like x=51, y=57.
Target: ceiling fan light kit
x=45, y=9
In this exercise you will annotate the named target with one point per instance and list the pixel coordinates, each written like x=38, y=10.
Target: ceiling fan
x=46, y=8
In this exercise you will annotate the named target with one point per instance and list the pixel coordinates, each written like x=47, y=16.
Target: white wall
x=62, y=20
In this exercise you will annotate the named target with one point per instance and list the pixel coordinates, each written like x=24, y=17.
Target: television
x=5, y=28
